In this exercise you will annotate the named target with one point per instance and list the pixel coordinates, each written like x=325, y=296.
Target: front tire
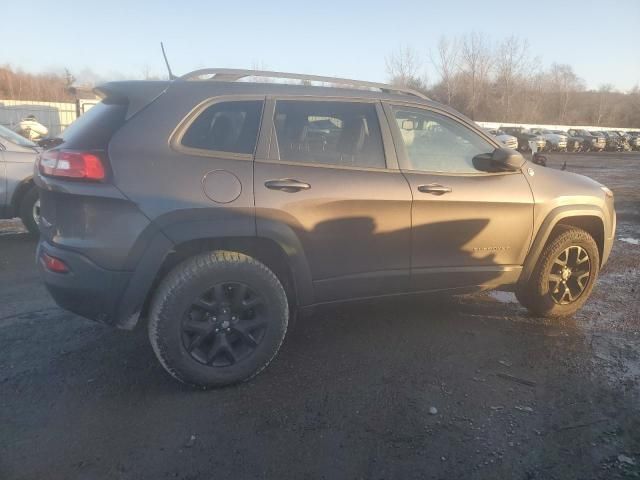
x=30, y=210
x=564, y=276
x=218, y=318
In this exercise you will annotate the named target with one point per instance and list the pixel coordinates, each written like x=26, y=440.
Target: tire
x=195, y=305
x=30, y=210
x=545, y=293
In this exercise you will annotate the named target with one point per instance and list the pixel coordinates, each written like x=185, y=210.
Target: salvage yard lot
x=468, y=387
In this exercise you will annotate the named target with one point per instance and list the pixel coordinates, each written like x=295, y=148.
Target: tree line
x=504, y=82
x=44, y=87
x=494, y=82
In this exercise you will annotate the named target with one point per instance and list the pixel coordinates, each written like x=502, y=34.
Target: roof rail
x=232, y=75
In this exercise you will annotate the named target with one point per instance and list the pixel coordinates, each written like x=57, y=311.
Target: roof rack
x=232, y=75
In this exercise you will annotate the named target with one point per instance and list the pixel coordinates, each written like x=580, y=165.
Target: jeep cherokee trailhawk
x=212, y=209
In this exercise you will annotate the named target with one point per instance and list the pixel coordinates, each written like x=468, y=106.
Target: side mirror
x=500, y=160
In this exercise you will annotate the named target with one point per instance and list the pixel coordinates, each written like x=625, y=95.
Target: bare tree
x=564, y=82
x=511, y=62
x=475, y=61
x=603, y=90
x=404, y=67
x=445, y=61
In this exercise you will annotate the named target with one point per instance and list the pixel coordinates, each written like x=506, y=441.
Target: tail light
x=72, y=164
x=54, y=264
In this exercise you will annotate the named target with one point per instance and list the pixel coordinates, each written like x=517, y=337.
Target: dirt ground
x=469, y=387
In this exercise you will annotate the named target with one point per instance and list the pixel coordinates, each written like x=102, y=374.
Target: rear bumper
x=87, y=289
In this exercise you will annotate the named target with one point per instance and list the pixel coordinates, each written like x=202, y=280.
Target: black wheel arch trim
x=158, y=243
x=551, y=220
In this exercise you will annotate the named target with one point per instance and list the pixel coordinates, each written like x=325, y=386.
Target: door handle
x=434, y=189
x=288, y=185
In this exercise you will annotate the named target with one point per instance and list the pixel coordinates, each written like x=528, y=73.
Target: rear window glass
x=226, y=127
x=94, y=129
x=333, y=133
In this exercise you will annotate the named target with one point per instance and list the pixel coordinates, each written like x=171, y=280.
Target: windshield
x=13, y=137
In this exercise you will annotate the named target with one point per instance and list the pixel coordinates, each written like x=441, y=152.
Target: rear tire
x=564, y=276
x=30, y=210
x=218, y=318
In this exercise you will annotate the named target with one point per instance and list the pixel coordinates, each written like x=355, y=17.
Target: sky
x=120, y=39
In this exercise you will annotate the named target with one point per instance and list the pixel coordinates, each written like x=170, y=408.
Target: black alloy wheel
x=225, y=324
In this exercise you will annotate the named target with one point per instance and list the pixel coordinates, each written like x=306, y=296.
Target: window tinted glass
x=226, y=127
x=334, y=133
x=436, y=143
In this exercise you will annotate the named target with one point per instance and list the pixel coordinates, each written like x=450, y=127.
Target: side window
x=333, y=133
x=437, y=143
x=226, y=127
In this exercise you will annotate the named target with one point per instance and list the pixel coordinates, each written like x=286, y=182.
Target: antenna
x=164, y=54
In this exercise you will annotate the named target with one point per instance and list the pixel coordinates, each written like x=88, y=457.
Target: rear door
x=331, y=183
x=470, y=228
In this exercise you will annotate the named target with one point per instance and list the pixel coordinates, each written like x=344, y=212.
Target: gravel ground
x=468, y=387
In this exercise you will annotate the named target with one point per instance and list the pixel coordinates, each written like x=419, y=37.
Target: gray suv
x=214, y=209
x=18, y=194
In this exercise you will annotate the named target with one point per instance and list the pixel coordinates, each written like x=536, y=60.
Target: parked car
x=507, y=140
x=201, y=209
x=602, y=139
x=524, y=137
x=618, y=142
x=590, y=142
x=18, y=194
x=557, y=142
x=574, y=144
x=634, y=140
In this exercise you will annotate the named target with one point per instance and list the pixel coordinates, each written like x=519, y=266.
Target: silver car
x=18, y=194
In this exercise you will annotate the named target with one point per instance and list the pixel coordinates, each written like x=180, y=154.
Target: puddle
x=632, y=241
x=503, y=297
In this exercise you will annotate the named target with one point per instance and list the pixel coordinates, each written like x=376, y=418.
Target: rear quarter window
x=226, y=127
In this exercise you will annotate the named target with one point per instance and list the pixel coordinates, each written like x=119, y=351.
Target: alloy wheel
x=224, y=325
x=35, y=212
x=569, y=275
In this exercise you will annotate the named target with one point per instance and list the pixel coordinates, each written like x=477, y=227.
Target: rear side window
x=332, y=133
x=226, y=127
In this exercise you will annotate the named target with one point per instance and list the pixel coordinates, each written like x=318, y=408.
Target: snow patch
x=632, y=241
x=503, y=297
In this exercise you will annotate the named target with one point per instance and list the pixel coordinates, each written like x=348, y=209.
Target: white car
x=507, y=140
x=555, y=141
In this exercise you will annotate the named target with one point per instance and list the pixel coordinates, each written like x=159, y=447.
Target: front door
x=327, y=180
x=470, y=228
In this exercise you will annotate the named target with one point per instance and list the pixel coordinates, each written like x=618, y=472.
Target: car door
x=330, y=183
x=470, y=228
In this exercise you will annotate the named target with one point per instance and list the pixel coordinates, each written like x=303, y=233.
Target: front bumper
x=87, y=289
x=608, y=241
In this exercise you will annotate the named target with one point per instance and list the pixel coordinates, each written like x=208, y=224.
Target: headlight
x=607, y=191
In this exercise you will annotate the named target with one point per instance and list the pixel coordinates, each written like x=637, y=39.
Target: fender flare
x=549, y=223
x=164, y=236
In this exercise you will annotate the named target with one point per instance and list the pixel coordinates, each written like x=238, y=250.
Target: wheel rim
x=569, y=275
x=35, y=212
x=224, y=325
